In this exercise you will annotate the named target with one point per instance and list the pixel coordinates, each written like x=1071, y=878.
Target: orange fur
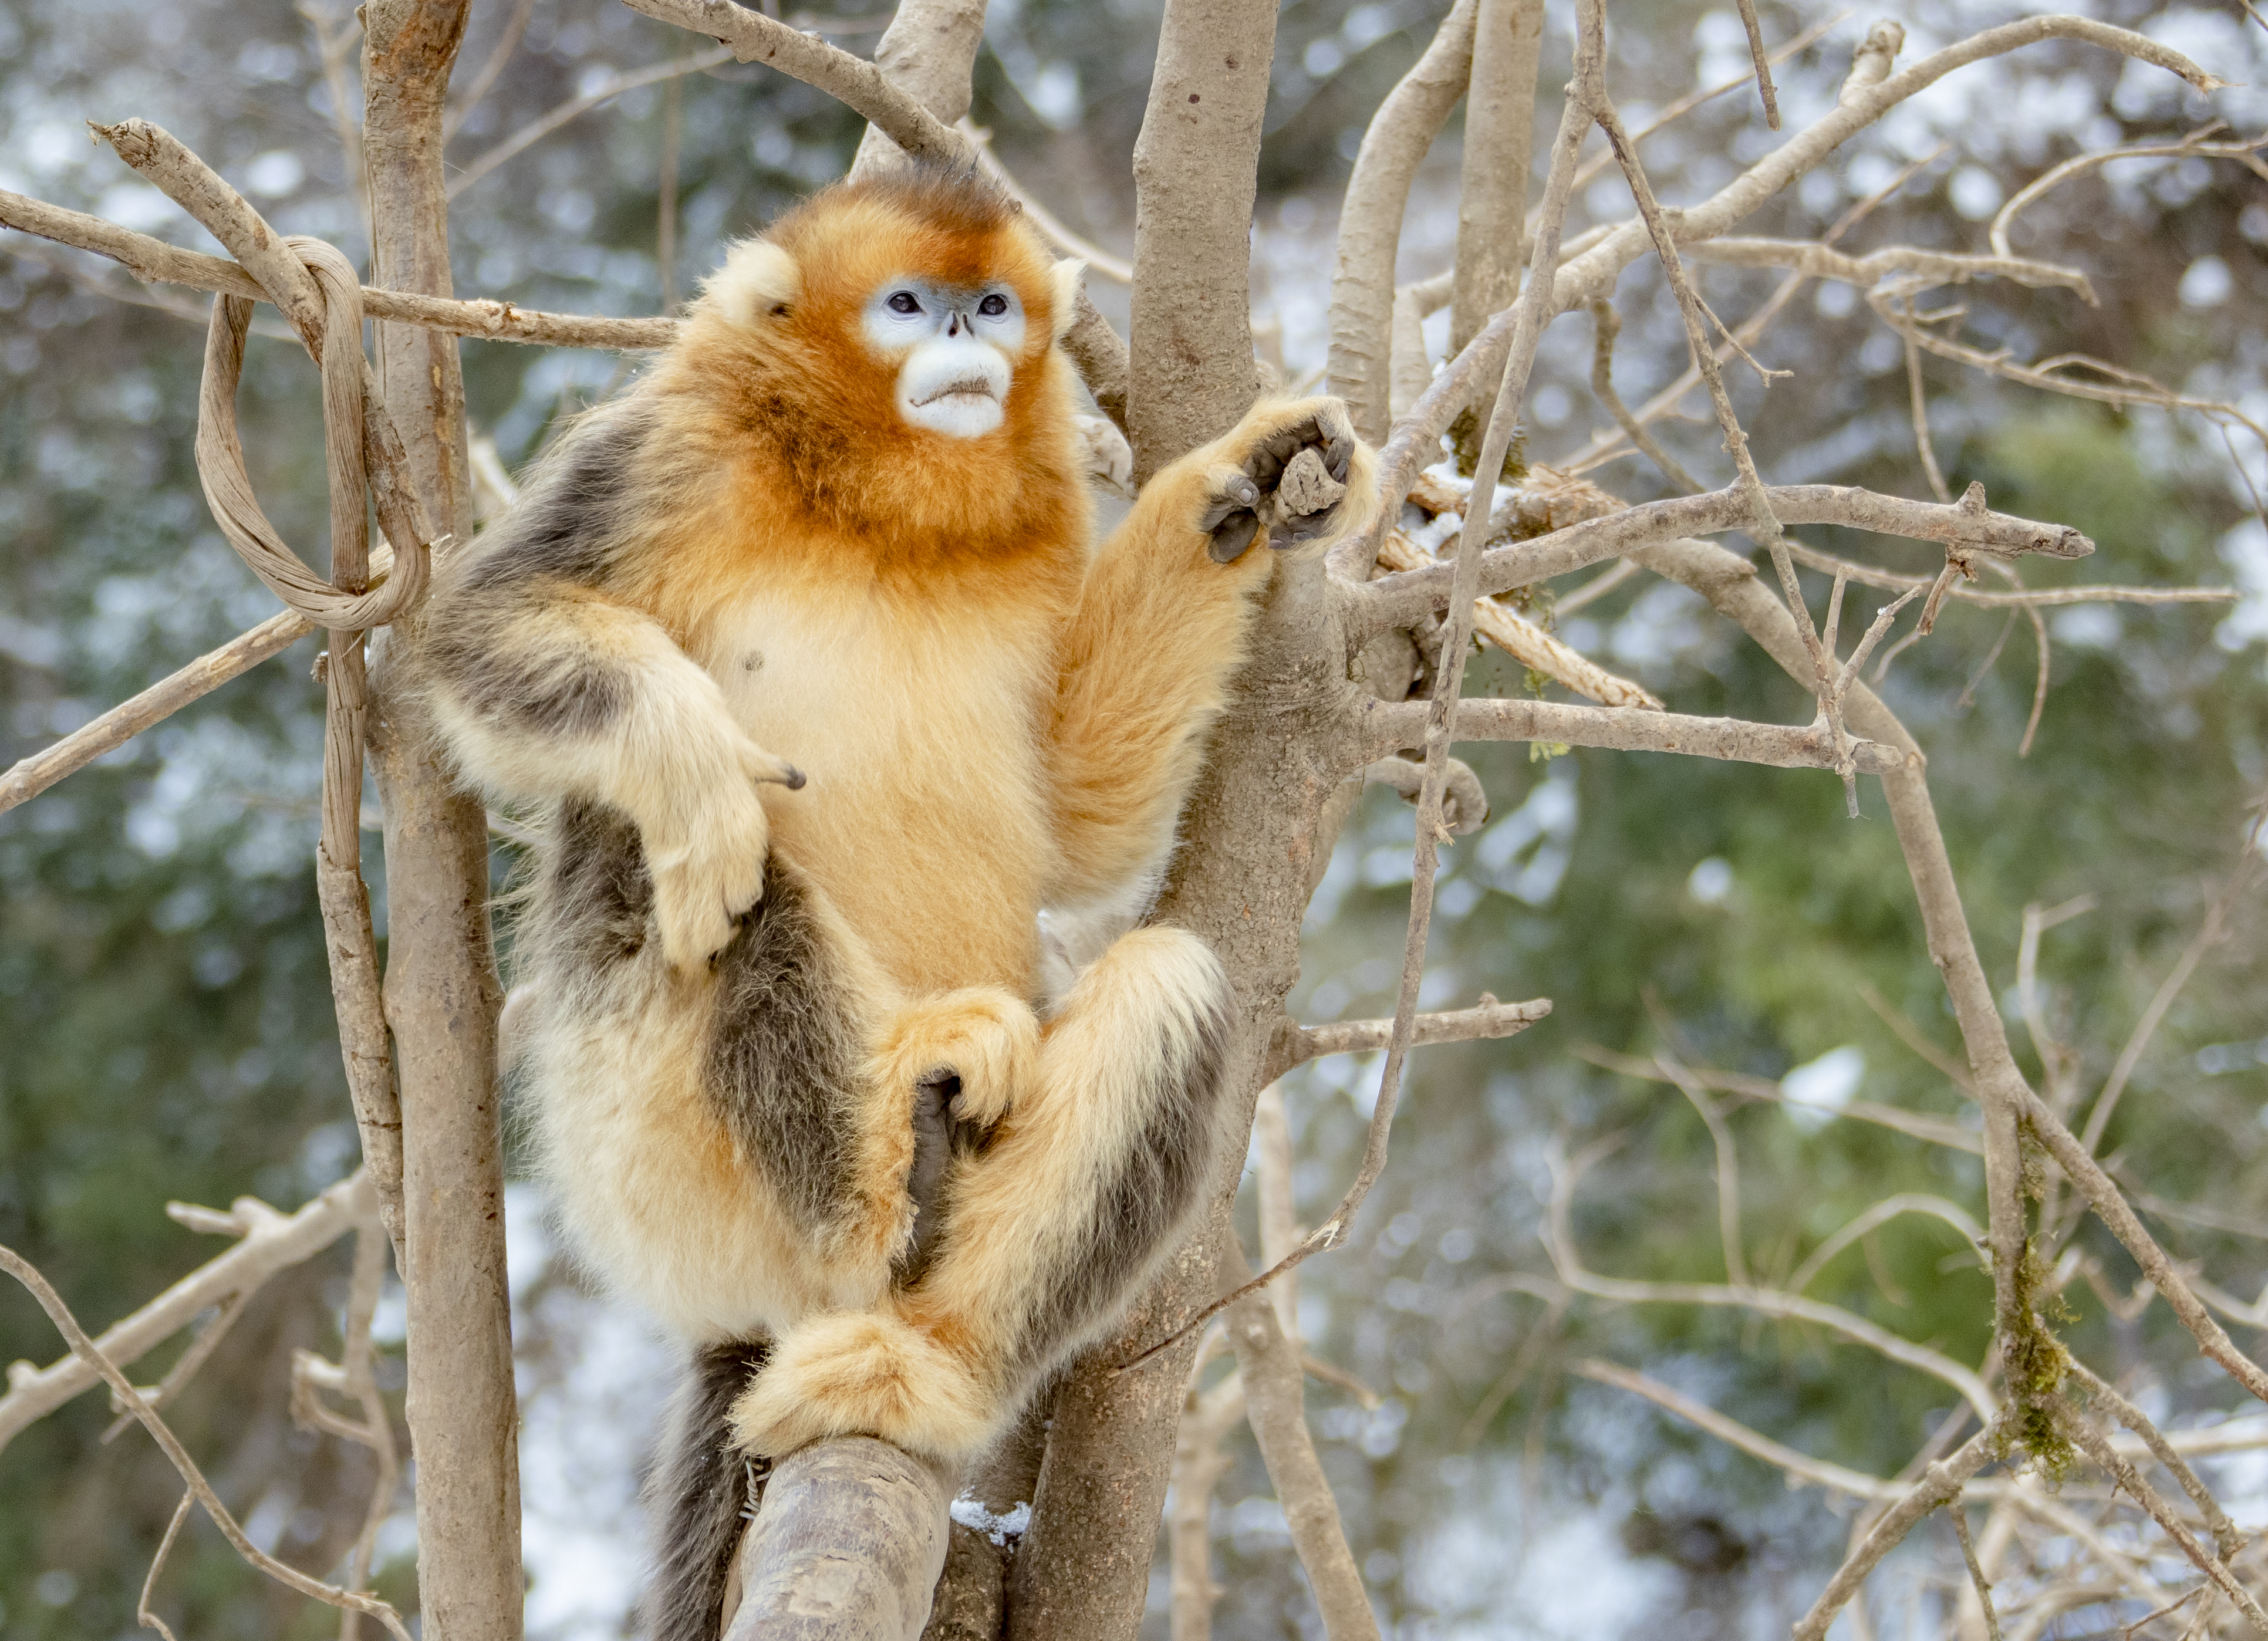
x=989, y=716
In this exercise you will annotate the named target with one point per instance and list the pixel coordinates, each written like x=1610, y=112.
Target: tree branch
x=270, y=1242
x=1296, y=1045
x=1370, y=221
x=848, y=1541
x=1404, y=599
x=1390, y=727
x=158, y=262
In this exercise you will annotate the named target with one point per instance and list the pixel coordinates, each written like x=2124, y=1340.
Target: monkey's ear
x=1068, y=273
x=757, y=278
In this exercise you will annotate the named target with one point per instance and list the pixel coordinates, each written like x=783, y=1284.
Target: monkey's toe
x=859, y=1373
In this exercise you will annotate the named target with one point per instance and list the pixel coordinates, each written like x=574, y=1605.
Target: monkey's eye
x=904, y=302
x=993, y=305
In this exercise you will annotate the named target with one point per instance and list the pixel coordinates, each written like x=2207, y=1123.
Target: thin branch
x=1941, y=1481
x=537, y=129
x=1934, y=1131
x=499, y=55
x=1559, y=1242
x=1763, y=72
x=270, y=1242
x=2131, y=1483
x=1199, y=1461
x=2110, y=1207
x=1881, y=1214
x=2209, y=933
x=2195, y=144
x=1526, y=642
x=1390, y=727
x=1116, y=269
x=1370, y=221
x=1795, y=1465
x=84, y=1351
x=155, y=260
x=143, y=1616
x=1488, y=1019
x=1605, y=326
x=1894, y=581
x=2226, y=1536
x=1955, y=1508
x=1267, y=1363
x=1403, y=599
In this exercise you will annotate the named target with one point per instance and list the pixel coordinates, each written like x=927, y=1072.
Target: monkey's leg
x=1160, y=625
x=1049, y=1231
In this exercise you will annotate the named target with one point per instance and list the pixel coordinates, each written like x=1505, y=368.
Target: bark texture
x=848, y=1545
x=1196, y=171
x=441, y=992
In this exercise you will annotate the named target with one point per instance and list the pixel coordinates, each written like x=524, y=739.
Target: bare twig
x=1370, y=222
x=2110, y=1207
x=147, y=1619
x=1559, y=1242
x=1389, y=727
x=1763, y=63
x=1941, y=1481
x=1526, y=642
x=270, y=1242
x=1199, y=1461
x=1605, y=326
x=1959, y=1513
x=2131, y=1483
x=154, y=259
x=87, y=1352
x=1489, y=1019
x=490, y=69
x=537, y=129
x=1267, y=1363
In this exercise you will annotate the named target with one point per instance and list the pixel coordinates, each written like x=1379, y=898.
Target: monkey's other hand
x=708, y=859
x=1293, y=466
x=862, y=1374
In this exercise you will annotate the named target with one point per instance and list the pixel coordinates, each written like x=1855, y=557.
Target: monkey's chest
x=920, y=738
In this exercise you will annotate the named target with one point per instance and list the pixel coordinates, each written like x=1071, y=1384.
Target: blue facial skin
x=905, y=311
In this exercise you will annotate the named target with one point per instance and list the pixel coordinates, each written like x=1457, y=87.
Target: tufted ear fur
x=757, y=278
x=1068, y=273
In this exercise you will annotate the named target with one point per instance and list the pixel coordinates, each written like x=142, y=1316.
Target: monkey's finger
x=763, y=768
x=1233, y=536
x=1236, y=493
x=1299, y=531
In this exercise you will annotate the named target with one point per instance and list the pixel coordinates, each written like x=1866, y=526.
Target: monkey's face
x=953, y=346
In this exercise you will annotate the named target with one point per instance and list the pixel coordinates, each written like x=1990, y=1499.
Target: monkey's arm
x=1160, y=625
x=546, y=688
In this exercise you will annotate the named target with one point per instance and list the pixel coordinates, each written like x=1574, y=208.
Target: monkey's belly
x=923, y=817
x=645, y=1178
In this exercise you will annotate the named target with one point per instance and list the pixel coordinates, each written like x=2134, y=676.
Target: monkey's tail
x=699, y=1494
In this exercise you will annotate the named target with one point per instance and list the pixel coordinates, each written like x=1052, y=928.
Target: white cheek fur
x=955, y=385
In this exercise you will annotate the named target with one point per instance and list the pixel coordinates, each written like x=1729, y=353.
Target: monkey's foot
x=863, y=1374
x=986, y=1038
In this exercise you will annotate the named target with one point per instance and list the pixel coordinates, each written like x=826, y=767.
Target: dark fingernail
x=1244, y=490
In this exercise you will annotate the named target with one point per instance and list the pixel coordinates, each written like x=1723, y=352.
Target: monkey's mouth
x=967, y=387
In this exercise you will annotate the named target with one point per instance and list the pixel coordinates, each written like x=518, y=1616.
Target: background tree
x=1697, y=926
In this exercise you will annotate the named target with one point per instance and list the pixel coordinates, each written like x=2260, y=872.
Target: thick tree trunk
x=848, y=1547
x=1084, y=1568
x=441, y=993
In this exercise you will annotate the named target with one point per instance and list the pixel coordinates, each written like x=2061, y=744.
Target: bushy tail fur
x=699, y=1494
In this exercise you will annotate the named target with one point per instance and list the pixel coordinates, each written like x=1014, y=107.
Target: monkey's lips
x=969, y=387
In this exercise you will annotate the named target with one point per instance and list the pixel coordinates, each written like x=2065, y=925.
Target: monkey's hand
x=1292, y=466
x=706, y=848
